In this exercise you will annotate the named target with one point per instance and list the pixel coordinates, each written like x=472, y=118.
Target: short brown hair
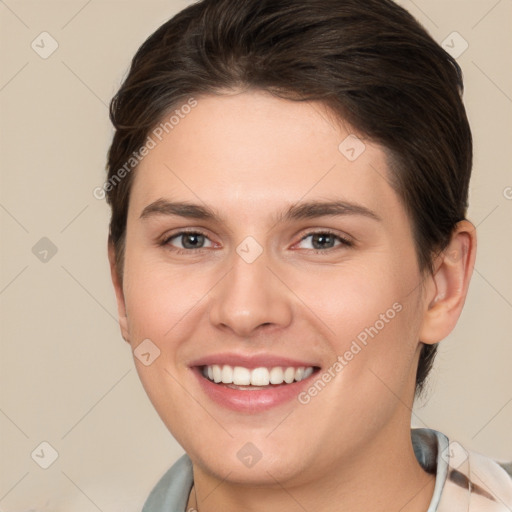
x=369, y=61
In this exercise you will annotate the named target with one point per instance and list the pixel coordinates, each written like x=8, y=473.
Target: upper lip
x=250, y=361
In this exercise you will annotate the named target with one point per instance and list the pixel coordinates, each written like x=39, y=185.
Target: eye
x=190, y=241
x=322, y=241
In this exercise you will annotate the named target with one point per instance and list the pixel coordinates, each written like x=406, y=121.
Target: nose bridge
x=249, y=295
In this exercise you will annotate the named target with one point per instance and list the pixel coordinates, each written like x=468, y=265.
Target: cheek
x=357, y=296
x=373, y=318
x=161, y=307
x=161, y=299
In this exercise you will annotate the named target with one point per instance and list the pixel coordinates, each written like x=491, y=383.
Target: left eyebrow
x=313, y=209
x=180, y=209
x=304, y=210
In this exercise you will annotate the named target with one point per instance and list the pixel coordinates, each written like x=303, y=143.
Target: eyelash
x=344, y=241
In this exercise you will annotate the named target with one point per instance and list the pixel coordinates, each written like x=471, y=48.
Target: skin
x=249, y=156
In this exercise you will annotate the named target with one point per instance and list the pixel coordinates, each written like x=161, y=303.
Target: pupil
x=196, y=236
x=319, y=238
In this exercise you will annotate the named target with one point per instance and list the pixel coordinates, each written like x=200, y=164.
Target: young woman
x=288, y=244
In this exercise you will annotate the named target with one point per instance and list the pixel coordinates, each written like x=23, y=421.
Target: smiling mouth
x=239, y=377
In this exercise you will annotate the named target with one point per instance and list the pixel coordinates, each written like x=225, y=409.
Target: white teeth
x=217, y=373
x=289, y=375
x=276, y=376
x=259, y=377
x=227, y=374
x=240, y=376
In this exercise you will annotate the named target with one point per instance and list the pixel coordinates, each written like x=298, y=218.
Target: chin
x=252, y=463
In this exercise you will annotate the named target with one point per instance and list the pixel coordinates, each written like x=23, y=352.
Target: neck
x=387, y=476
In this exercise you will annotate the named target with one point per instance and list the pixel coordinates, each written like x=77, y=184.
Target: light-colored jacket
x=471, y=482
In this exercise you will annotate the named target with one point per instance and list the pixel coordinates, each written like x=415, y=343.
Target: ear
x=446, y=290
x=118, y=287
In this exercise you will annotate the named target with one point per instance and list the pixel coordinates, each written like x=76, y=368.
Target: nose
x=250, y=297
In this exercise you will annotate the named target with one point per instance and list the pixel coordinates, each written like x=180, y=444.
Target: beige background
x=67, y=377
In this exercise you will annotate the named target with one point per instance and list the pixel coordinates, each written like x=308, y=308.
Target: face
x=292, y=268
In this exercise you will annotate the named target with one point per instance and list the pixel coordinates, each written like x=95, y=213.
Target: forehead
x=252, y=153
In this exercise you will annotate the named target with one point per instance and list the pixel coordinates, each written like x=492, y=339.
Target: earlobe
x=118, y=288
x=447, y=288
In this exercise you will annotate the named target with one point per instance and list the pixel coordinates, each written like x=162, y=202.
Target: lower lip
x=256, y=400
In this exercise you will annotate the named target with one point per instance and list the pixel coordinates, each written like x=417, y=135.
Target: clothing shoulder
x=171, y=492
x=480, y=481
